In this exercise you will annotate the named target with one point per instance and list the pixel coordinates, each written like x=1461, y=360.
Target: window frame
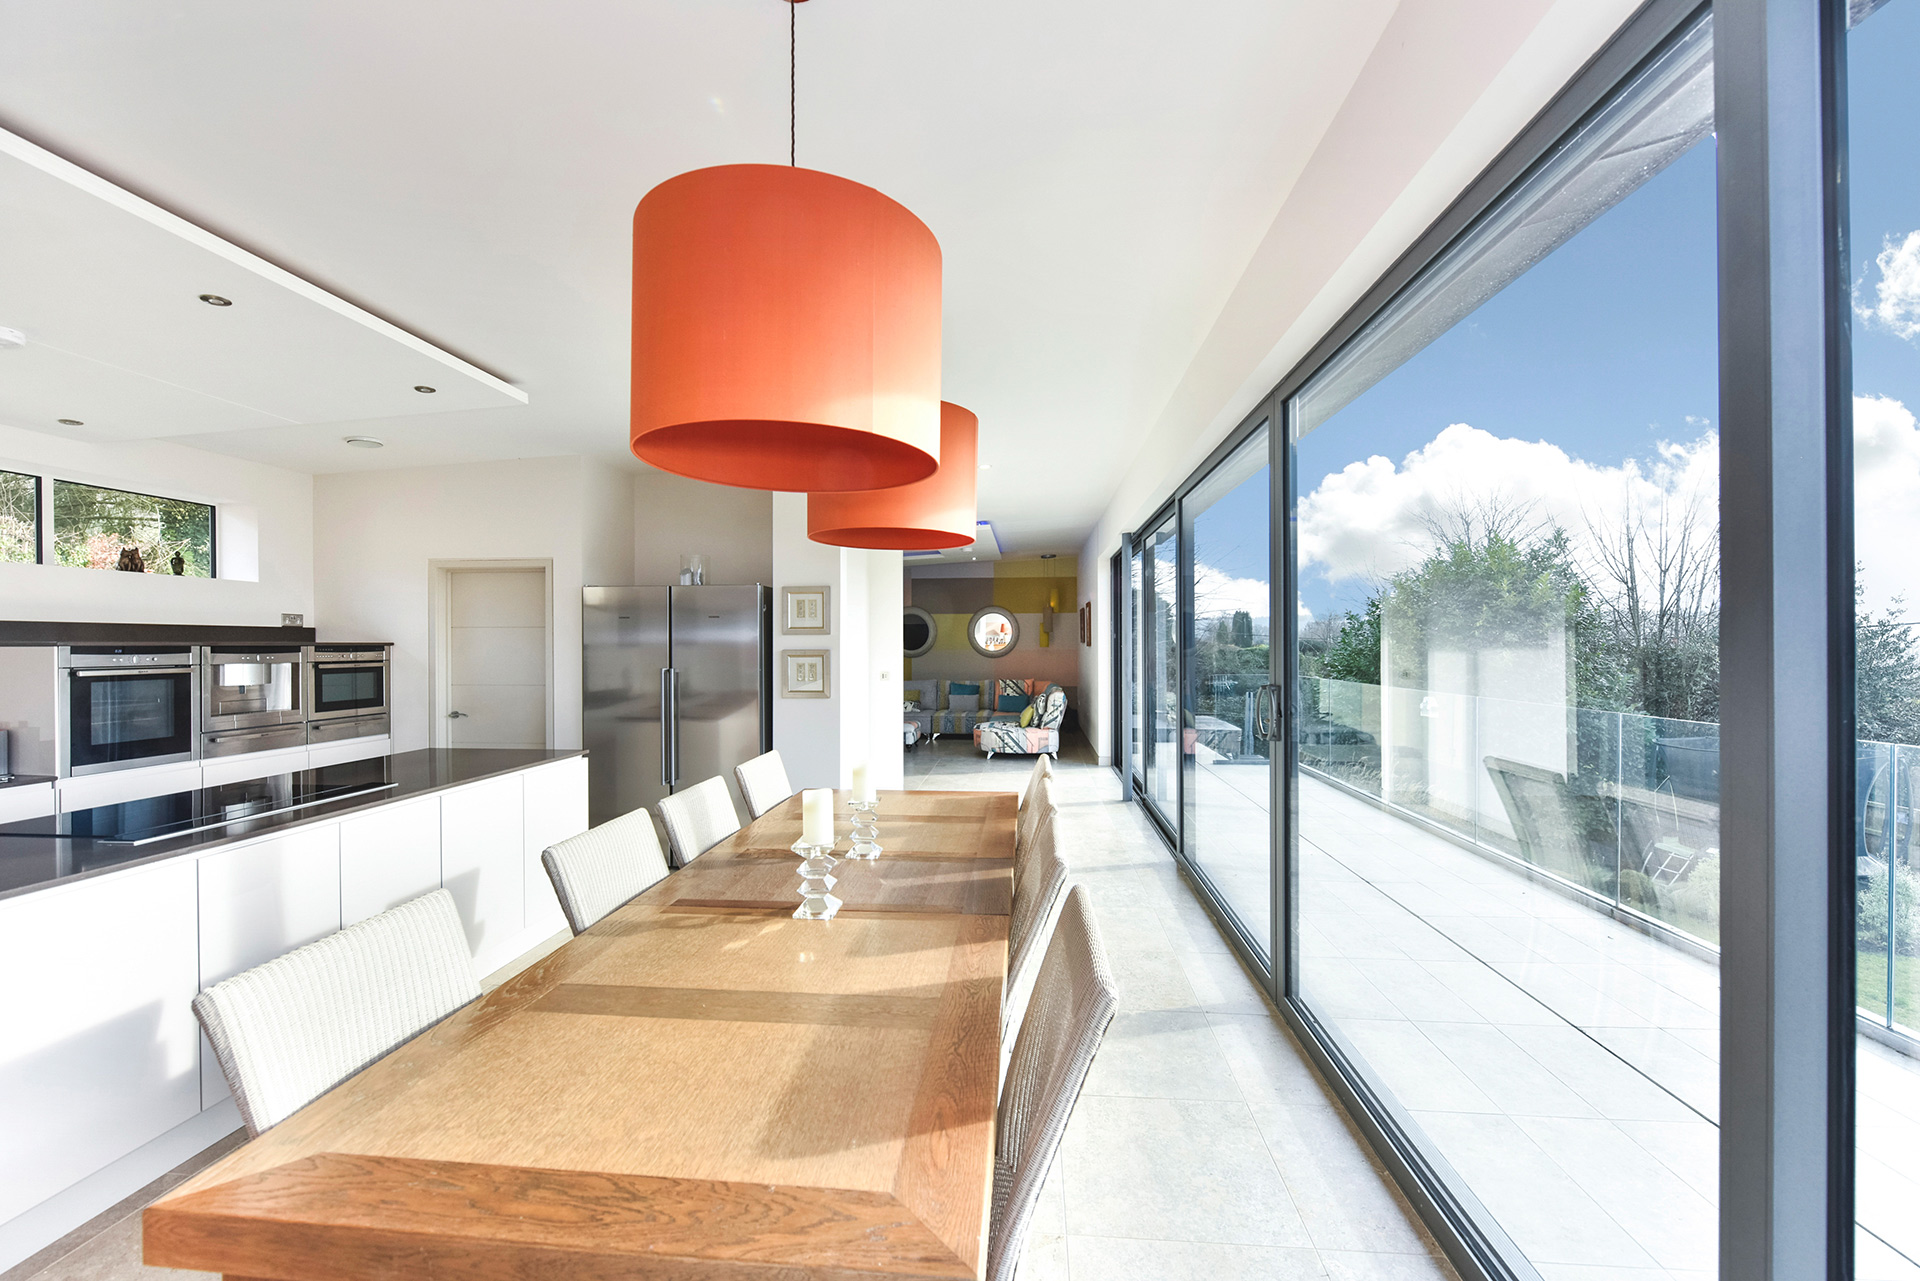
x=39, y=515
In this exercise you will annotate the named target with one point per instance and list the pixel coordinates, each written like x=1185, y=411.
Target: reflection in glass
x=1229, y=827
x=1507, y=847
x=96, y=528
x=1136, y=713
x=1884, y=197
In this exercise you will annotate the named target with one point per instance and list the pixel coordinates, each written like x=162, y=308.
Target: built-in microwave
x=346, y=682
x=123, y=706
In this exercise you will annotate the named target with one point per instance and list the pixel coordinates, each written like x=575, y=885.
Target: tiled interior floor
x=1203, y=1148
x=1203, y=1145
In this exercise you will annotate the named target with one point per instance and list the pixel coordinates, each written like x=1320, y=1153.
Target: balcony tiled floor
x=1564, y=1063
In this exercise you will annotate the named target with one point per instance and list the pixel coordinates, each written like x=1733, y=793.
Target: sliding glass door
x=1883, y=53
x=1506, y=734
x=1227, y=831
x=1159, y=703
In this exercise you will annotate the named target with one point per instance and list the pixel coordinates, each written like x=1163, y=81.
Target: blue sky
x=1609, y=347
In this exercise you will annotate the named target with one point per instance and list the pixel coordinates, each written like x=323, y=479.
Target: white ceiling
x=1098, y=173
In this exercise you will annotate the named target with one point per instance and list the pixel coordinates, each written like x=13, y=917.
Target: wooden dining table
x=698, y=1086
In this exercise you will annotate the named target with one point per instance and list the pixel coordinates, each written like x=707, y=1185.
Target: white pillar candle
x=863, y=790
x=816, y=821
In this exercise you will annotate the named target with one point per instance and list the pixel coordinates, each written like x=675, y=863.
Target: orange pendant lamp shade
x=939, y=511
x=786, y=332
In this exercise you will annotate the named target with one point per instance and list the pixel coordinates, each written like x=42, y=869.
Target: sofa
x=936, y=707
x=1025, y=720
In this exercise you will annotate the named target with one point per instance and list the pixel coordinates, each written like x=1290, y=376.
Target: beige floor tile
x=1134, y=1259
x=1162, y=1054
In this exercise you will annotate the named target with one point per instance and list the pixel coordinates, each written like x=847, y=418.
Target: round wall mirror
x=993, y=632
x=918, y=631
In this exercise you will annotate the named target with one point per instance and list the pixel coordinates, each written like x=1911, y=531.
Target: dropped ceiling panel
x=106, y=287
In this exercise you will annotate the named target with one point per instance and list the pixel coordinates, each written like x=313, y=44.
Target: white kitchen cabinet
x=259, y=900
x=349, y=749
x=483, y=865
x=389, y=856
x=115, y=786
x=216, y=770
x=99, y=1051
x=28, y=800
x=556, y=808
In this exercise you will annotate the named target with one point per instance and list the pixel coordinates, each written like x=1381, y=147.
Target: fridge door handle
x=673, y=689
x=666, y=727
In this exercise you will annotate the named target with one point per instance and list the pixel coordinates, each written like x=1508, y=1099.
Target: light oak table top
x=699, y=1086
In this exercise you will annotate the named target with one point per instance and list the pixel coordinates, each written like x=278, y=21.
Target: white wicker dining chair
x=763, y=782
x=1033, y=899
x=698, y=819
x=1042, y=768
x=1073, y=1001
x=290, y=1030
x=1040, y=811
x=604, y=867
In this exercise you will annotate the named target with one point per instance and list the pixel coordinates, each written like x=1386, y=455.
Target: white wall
x=674, y=516
x=822, y=739
x=263, y=523
x=378, y=530
x=1445, y=90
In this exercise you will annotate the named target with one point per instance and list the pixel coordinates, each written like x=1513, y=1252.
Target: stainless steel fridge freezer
x=677, y=687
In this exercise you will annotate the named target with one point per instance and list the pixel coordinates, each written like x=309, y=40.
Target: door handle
x=1266, y=713
x=454, y=716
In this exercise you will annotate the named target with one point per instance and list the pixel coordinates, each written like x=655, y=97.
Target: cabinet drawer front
x=100, y=1052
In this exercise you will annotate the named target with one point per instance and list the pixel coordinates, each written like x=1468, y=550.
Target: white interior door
x=497, y=658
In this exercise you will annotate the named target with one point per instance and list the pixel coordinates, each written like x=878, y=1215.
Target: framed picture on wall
x=1086, y=623
x=804, y=673
x=804, y=610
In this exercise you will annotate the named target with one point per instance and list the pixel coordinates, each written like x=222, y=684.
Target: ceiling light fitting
x=928, y=515
x=424, y=390
x=366, y=442
x=12, y=338
x=1048, y=555
x=786, y=329
x=70, y=422
x=215, y=300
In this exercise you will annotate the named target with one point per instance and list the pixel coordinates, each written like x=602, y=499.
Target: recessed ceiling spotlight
x=366, y=442
x=1048, y=555
x=215, y=300
x=425, y=390
x=986, y=466
x=12, y=338
x=71, y=422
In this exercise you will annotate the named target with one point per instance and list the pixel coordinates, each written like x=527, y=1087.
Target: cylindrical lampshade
x=786, y=332
x=939, y=511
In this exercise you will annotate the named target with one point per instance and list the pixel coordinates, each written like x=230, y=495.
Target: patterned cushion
x=1051, y=708
x=1006, y=689
x=926, y=693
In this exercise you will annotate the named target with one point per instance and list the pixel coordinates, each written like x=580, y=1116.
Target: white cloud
x=1896, y=302
x=1368, y=521
x=1216, y=594
x=1886, y=500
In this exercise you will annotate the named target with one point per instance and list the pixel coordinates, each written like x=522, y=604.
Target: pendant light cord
x=793, y=69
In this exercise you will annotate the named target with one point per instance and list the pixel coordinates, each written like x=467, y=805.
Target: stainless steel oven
x=124, y=706
x=254, y=700
x=346, y=683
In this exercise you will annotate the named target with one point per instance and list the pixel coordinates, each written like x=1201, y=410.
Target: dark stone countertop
x=38, y=852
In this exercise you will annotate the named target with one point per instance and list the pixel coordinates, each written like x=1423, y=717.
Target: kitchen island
x=112, y=919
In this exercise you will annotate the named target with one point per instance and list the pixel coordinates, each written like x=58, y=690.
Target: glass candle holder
x=816, y=862
x=866, y=830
